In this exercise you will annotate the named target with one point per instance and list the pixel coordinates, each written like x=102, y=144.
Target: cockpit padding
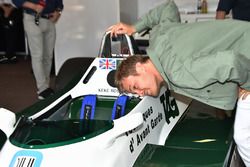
x=88, y=107
x=103, y=108
x=119, y=107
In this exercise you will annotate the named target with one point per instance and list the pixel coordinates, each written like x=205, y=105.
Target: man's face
x=143, y=84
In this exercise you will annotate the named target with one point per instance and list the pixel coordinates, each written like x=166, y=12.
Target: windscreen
x=43, y=134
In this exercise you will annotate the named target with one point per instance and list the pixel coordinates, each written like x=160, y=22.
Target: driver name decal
x=107, y=90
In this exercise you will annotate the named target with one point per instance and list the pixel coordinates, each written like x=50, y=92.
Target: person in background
x=40, y=17
x=240, y=9
x=193, y=65
x=10, y=19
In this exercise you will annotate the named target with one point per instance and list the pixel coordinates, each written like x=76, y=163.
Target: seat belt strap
x=88, y=107
x=119, y=107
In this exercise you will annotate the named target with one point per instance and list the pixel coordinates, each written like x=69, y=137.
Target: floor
x=17, y=85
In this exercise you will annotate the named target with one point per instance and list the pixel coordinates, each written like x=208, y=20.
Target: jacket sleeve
x=165, y=12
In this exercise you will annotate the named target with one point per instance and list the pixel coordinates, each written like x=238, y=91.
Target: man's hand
x=55, y=16
x=38, y=8
x=121, y=28
x=243, y=93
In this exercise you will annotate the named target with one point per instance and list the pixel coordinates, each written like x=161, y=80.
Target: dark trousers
x=10, y=29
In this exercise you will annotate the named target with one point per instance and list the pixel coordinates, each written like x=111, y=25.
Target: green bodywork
x=200, y=138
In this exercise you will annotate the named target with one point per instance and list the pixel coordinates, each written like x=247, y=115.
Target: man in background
x=40, y=17
x=10, y=21
x=240, y=9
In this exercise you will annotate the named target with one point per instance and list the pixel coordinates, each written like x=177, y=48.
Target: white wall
x=131, y=10
x=190, y=5
x=83, y=22
x=81, y=26
x=146, y=5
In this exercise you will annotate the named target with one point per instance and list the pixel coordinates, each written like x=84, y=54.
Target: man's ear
x=140, y=68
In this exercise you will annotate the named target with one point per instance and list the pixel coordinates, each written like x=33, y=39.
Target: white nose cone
x=7, y=121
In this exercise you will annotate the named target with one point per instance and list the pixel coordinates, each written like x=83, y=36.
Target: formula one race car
x=88, y=123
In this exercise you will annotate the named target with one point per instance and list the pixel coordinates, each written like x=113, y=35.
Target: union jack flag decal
x=107, y=64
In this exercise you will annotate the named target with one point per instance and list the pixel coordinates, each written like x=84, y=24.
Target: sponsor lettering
x=169, y=106
x=152, y=120
x=147, y=113
x=156, y=121
x=142, y=135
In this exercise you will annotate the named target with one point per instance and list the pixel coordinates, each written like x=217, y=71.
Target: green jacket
x=206, y=61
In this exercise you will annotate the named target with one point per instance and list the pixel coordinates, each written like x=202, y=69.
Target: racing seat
x=88, y=107
x=119, y=107
x=94, y=108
